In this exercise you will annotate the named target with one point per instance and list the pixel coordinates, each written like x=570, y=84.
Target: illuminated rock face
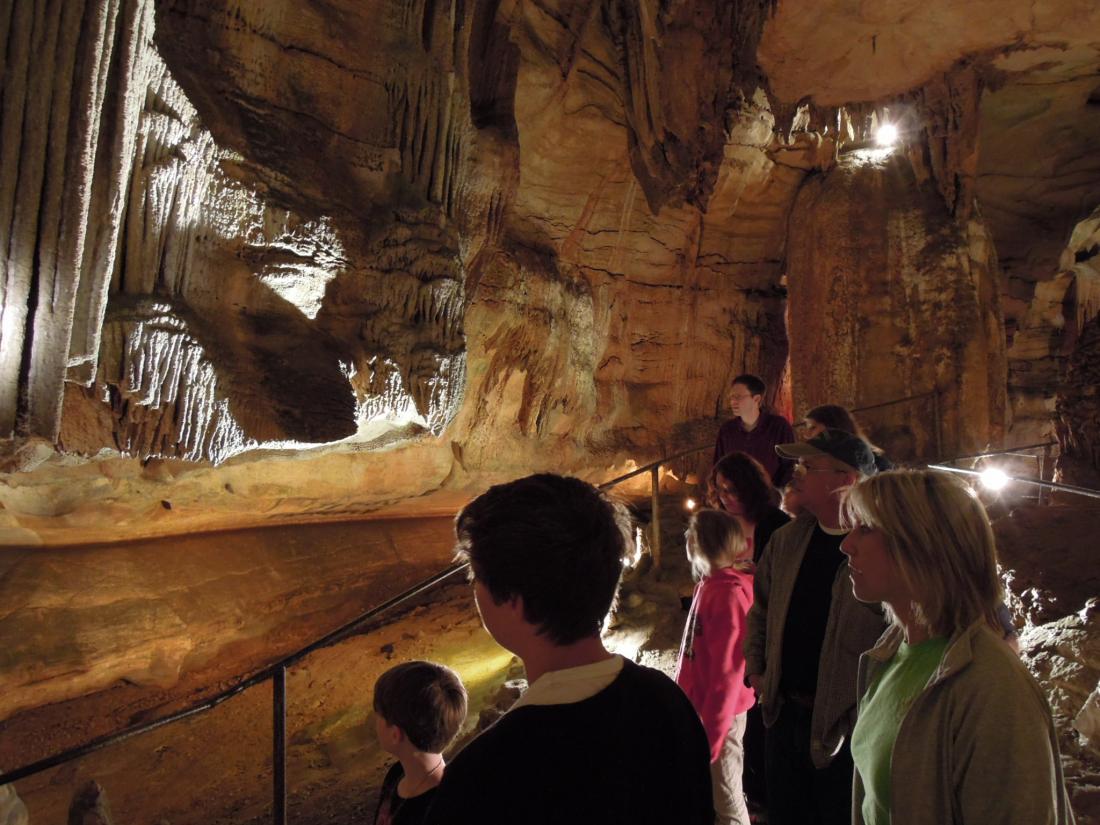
x=1053, y=360
x=441, y=244
x=1053, y=596
x=539, y=237
x=904, y=301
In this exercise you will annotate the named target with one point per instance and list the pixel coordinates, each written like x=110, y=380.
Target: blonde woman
x=952, y=729
x=711, y=667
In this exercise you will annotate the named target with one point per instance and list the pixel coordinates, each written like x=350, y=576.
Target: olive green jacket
x=977, y=746
x=852, y=628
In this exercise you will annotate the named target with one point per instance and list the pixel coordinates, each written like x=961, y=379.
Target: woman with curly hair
x=740, y=485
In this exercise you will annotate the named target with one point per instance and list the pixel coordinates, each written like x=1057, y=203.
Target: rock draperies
x=903, y=299
x=324, y=233
x=69, y=84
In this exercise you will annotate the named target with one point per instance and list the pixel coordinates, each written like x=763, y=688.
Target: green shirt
x=880, y=713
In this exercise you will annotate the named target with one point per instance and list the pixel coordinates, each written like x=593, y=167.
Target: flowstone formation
x=509, y=225
x=274, y=261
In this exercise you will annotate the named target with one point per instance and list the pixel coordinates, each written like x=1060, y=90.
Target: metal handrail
x=1051, y=485
x=1007, y=451
x=654, y=469
x=277, y=671
x=270, y=672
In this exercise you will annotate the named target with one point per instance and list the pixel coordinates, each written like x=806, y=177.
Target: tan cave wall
x=892, y=297
x=341, y=258
x=1046, y=340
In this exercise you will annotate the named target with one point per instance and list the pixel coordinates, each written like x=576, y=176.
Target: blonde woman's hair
x=714, y=537
x=939, y=535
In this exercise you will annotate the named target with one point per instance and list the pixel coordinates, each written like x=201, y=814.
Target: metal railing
x=1042, y=483
x=937, y=415
x=277, y=672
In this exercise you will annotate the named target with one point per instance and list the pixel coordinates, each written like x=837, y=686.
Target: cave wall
x=503, y=232
x=902, y=300
x=282, y=261
x=1048, y=355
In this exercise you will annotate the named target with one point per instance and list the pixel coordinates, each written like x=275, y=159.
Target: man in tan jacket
x=806, y=632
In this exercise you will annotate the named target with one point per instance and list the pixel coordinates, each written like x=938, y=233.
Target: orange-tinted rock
x=890, y=298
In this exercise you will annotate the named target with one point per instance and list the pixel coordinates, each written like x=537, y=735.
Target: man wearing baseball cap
x=805, y=633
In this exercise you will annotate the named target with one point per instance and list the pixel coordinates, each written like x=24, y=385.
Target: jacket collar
x=729, y=574
x=959, y=653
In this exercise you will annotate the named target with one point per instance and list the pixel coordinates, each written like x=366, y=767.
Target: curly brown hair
x=749, y=480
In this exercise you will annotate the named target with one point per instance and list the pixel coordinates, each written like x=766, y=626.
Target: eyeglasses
x=802, y=469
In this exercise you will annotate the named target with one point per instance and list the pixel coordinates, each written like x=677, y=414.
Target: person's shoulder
x=795, y=529
x=991, y=656
x=995, y=672
x=648, y=693
x=640, y=683
x=729, y=425
x=725, y=581
x=776, y=420
x=774, y=518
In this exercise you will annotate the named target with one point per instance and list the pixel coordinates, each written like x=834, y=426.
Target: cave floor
x=216, y=767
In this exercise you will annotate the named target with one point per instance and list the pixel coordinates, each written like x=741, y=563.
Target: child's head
x=556, y=543
x=425, y=700
x=714, y=541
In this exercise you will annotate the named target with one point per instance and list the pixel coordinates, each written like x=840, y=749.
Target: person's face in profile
x=743, y=404
x=811, y=428
x=727, y=495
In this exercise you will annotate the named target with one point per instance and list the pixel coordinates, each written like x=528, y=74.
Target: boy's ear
x=392, y=735
x=515, y=604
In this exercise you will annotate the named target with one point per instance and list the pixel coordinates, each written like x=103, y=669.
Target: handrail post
x=278, y=755
x=1043, y=459
x=937, y=423
x=655, y=520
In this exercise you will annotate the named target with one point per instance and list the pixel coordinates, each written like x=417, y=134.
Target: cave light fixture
x=994, y=478
x=690, y=504
x=886, y=135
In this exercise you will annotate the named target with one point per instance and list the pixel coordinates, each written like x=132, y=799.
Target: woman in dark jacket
x=739, y=485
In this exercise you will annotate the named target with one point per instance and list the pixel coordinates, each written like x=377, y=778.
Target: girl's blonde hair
x=939, y=535
x=714, y=537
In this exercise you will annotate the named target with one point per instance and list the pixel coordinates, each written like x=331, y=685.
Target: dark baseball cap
x=844, y=447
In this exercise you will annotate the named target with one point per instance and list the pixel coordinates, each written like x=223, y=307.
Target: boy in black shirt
x=419, y=707
x=596, y=738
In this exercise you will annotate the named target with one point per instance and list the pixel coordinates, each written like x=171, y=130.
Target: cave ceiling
x=489, y=236
x=1038, y=168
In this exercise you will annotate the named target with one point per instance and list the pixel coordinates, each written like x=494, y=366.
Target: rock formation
x=903, y=298
x=266, y=262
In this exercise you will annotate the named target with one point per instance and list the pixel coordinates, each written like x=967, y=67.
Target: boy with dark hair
x=419, y=707
x=754, y=430
x=596, y=738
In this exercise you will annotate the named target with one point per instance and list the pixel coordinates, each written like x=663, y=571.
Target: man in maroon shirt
x=755, y=431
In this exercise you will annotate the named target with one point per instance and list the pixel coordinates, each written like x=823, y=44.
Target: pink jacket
x=711, y=668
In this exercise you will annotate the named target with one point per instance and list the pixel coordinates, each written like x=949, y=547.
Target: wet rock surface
x=1048, y=560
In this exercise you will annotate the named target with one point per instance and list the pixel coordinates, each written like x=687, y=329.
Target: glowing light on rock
x=994, y=479
x=690, y=504
x=887, y=135
x=633, y=558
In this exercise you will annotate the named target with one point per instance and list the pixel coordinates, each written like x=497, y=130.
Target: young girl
x=711, y=668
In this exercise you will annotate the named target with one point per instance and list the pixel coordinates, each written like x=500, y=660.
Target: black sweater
x=635, y=753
